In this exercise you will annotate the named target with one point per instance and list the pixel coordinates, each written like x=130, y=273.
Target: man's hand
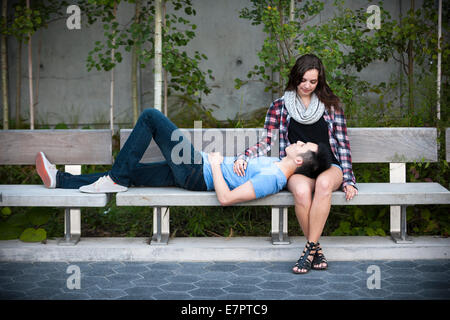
x=239, y=167
x=227, y=197
x=215, y=158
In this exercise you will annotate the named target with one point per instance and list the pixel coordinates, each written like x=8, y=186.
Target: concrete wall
x=69, y=93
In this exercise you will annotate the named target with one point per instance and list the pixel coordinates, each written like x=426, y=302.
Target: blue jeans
x=127, y=171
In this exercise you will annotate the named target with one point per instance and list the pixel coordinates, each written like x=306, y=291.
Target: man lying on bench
x=204, y=171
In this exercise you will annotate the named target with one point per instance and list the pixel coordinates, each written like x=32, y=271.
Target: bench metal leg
x=160, y=226
x=279, y=226
x=72, y=217
x=70, y=238
x=397, y=174
x=402, y=236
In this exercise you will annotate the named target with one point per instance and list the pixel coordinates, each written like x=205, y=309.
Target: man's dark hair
x=314, y=163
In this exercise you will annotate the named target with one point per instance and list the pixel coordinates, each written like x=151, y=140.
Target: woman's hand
x=350, y=192
x=239, y=167
x=215, y=158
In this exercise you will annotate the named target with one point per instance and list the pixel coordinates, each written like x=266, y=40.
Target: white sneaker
x=46, y=170
x=103, y=185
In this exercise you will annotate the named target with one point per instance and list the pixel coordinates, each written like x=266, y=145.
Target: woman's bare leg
x=302, y=188
x=327, y=182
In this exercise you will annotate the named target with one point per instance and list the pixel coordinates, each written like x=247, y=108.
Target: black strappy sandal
x=304, y=263
x=319, y=258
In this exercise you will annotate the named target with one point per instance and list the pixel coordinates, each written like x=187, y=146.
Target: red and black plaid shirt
x=277, y=121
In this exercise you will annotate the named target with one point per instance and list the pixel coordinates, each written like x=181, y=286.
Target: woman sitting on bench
x=264, y=175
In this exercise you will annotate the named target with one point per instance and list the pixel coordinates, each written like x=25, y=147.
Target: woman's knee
x=324, y=186
x=328, y=181
x=302, y=195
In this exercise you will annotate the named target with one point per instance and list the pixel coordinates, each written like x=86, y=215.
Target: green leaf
x=18, y=220
x=39, y=216
x=6, y=211
x=33, y=235
x=9, y=232
x=358, y=214
x=370, y=231
x=426, y=214
x=345, y=226
x=380, y=232
x=432, y=226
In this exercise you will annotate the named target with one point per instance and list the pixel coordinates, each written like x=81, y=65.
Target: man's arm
x=227, y=197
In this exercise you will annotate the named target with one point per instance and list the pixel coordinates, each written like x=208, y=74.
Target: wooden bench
x=395, y=146
x=71, y=148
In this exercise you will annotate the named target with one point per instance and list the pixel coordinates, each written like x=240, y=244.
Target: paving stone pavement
x=349, y=280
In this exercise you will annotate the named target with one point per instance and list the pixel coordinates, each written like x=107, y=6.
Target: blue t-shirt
x=265, y=176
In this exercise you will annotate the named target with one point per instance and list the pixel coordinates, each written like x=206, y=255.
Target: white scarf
x=299, y=112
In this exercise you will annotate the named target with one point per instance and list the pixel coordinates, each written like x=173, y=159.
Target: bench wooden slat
x=61, y=147
x=368, y=194
x=227, y=140
x=23, y=195
x=369, y=145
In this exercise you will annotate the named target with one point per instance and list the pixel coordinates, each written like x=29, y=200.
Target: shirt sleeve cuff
x=349, y=183
x=243, y=157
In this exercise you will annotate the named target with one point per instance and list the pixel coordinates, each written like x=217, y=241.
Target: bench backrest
x=228, y=141
x=368, y=145
x=62, y=147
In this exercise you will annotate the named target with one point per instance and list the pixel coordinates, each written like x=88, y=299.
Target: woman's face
x=308, y=83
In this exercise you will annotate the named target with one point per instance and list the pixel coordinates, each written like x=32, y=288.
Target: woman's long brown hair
x=323, y=91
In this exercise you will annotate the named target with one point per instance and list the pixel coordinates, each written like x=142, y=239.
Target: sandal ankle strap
x=312, y=245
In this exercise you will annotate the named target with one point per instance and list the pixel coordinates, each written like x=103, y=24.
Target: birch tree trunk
x=111, y=97
x=158, y=55
x=30, y=77
x=164, y=70
x=280, y=53
x=410, y=52
x=438, y=104
x=292, y=10
x=134, y=69
x=290, y=49
x=18, y=85
x=5, y=72
x=38, y=71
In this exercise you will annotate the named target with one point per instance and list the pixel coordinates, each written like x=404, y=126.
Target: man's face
x=296, y=149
